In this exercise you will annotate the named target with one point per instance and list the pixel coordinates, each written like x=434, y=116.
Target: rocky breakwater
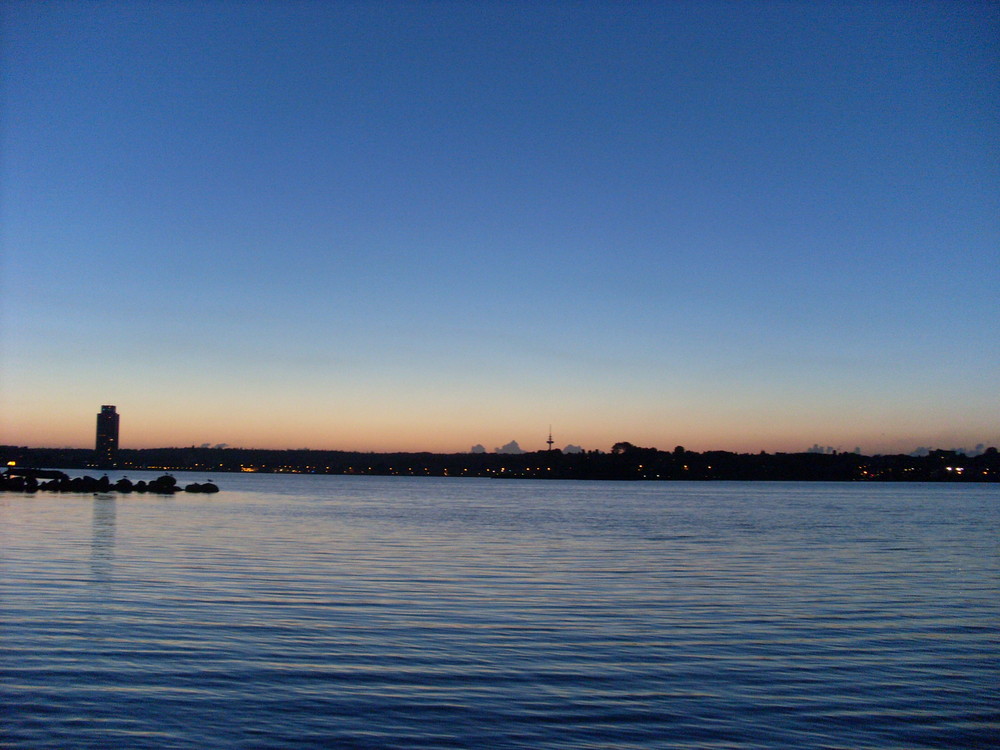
x=54, y=481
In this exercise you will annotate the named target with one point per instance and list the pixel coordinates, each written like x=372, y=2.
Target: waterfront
x=367, y=612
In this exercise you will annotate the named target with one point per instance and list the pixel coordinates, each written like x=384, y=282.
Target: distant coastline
x=624, y=462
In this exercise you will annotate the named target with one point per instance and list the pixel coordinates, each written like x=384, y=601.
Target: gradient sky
x=421, y=226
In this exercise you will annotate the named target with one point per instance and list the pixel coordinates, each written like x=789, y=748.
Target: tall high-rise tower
x=106, y=450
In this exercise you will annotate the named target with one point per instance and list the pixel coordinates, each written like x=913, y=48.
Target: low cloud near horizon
x=511, y=448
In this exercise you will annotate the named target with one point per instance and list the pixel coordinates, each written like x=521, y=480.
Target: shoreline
x=624, y=462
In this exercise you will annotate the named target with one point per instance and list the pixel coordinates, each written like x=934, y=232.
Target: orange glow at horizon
x=456, y=431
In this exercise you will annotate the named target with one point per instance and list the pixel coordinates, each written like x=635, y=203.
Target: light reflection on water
x=362, y=612
x=102, y=545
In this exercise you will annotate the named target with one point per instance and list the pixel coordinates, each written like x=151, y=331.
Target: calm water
x=362, y=612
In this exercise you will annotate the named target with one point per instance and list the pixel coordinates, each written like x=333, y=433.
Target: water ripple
x=379, y=613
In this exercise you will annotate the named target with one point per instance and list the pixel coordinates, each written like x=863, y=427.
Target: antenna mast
x=550, y=440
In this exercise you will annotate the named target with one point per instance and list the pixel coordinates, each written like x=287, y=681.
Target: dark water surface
x=363, y=612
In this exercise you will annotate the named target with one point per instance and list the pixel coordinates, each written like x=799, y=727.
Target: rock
x=207, y=487
x=165, y=485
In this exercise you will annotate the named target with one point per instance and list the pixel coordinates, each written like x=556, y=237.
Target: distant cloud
x=977, y=451
x=980, y=447
x=477, y=448
x=573, y=449
x=817, y=448
x=222, y=445
x=512, y=448
x=828, y=449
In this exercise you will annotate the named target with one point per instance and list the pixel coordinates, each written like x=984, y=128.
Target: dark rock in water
x=25, y=480
x=165, y=485
x=11, y=484
x=207, y=487
x=84, y=484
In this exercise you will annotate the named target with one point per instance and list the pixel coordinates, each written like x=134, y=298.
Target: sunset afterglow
x=427, y=226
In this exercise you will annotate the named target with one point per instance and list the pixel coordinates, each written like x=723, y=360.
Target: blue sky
x=422, y=226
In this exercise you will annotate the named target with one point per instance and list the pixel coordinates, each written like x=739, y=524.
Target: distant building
x=106, y=450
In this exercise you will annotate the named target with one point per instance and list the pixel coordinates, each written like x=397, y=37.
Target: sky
x=409, y=226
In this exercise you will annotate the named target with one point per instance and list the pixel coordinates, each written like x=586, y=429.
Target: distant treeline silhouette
x=623, y=462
